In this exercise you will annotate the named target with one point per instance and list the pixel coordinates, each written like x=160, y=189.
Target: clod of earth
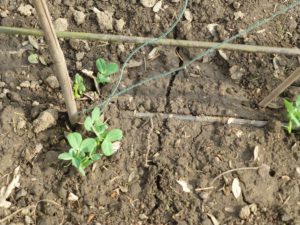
x=45, y=120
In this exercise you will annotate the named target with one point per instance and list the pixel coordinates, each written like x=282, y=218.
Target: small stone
x=45, y=120
x=14, y=96
x=236, y=5
x=148, y=3
x=78, y=65
x=143, y=217
x=244, y=212
x=188, y=15
x=25, y=84
x=80, y=56
x=28, y=220
x=61, y=24
x=21, y=124
x=34, y=85
x=157, y=6
x=253, y=208
x=25, y=10
x=286, y=218
x=120, y=25
x=236, y=72
x=105, y=19
x=35, y=103
x=2, y=84
x=21, y=193
x=52, y=82
x=79, y=17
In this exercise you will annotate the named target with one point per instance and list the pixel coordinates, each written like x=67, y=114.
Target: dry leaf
x=255, y=153
x=223, y=55
x=7, y=190
x=116, y=146
x=188, y=15
x=33, y=42
x=133, y=63
x=185, y=186
x=87, y=72
x=212, y=28
x=236, y=188
x=153, y=54
x=213, y=219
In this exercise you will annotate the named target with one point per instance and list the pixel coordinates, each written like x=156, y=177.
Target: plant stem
x=140, y=40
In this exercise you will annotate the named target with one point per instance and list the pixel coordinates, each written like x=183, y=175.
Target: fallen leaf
x=213, y=219
x=153, y=54
x=236, y=188
x=212, y=28
x=223, y=55
x=133, y=63
x=7, y=190
x=188, y=15
x=33, y=42
x=42, y=60
x=185, y=186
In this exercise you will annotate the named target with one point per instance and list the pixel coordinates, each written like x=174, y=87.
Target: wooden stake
x=60, y=67
x=281, y=88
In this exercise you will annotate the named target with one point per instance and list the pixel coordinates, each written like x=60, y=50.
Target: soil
x=139, y=184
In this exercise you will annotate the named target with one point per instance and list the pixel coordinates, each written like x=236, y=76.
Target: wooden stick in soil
x=58, y=58
x=141, y=40
x=281, y=88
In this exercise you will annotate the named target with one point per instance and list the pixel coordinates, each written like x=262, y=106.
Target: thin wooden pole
x=281, y=88
x=60, y=67
x=141, y=40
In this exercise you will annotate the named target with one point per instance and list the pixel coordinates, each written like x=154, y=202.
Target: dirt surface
x=141, y=183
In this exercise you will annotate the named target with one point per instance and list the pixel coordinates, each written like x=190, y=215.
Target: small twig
x=230, y=171
x=281, y=88
x=204, y=189
x=141, y=40
x=207, y=119
x=149, y=142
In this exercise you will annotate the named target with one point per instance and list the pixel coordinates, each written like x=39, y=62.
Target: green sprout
x=293, y=114
x=105, y=70
x=78, y=87
x=84, y=152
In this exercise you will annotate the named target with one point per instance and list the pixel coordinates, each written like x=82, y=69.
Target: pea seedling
x=105, y=70
x=293, y=114
x=84, y=152
x=78, y=87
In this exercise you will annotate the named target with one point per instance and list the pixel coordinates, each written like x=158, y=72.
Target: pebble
x=14, y=96
x=45, y=120
x=21, y=193
x=105, y=19
x=25, y=10
x=25, y=84
x=80, y=56
x=61, y=24
x=244, y=212
x=2, y=84
x=79, y=17
x=236, y=72
x=188, y=15
x=52, y=82
x=34, y=84
x=120, y=25
x=148, y=3
x=35, y=103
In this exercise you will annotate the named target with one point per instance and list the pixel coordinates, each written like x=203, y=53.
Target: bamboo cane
x=141, y=40
x=58, y=58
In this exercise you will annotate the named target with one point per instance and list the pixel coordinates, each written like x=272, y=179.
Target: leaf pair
x=105, y=70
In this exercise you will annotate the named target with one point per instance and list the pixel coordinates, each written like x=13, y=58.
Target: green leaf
x=74, y=140
x=65, y=156
x=107, y=148
x=102, y=79
x=288, y=105
x=112, y=68
x=96, y=114
x=100, y=128
x=33, y=58
x=96, y=157
x=88, y=145
x=101, y=65
x=88, y=123
x=76, y=162
x=114, y=135
x=298, y=101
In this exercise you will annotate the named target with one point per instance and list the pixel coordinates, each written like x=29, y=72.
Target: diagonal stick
x=281, y=88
